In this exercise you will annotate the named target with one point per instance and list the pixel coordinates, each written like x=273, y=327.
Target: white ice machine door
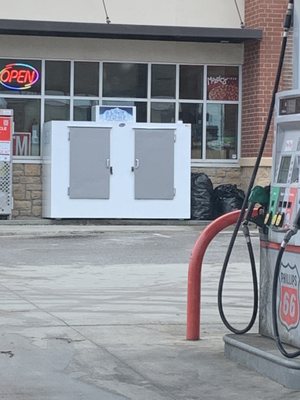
x=89, y=163
x=154, y=164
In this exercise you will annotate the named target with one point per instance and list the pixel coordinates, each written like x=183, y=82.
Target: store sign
x=117, y=113
x=19, y=76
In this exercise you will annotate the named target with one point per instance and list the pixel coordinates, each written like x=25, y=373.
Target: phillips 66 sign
x=289, y=296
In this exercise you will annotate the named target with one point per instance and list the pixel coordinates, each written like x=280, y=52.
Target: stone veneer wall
x=263, y=177
x=27, y=185
x=27, y=191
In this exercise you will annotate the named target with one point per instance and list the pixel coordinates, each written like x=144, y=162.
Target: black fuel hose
x=247, y=236
x=287, y=25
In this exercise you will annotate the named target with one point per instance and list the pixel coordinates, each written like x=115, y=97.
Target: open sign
x=18, y=76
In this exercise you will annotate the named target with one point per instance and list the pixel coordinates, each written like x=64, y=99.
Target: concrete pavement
x=99, y=312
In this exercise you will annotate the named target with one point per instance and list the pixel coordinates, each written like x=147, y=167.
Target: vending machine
x=6, y=134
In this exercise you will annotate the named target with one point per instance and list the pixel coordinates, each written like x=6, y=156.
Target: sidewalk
x=99, y=313
x=79, y=229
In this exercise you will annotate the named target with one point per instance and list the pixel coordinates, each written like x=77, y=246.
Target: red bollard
x=195, y=267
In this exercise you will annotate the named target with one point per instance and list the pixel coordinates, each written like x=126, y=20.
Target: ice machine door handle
x=136, y=165
x=108, y=166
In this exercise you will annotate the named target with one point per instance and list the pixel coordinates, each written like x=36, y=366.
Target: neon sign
x=18, y=76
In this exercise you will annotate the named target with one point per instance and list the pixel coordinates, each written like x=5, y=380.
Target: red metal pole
x=195, y=267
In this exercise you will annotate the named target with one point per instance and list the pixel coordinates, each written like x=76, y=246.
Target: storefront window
x=190, y=113
x=223, y=83
x=83, y=109
x=21, y=77
x=172, y=92
x=191, y=82
x=27, y=116
x=162, y=112
x=163, y=81
x=221, y=131
x=57, y=110
x=86, y=79
x=57, y=78
x=125, y=80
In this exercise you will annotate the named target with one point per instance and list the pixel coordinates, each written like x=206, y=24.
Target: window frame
x=148, y=100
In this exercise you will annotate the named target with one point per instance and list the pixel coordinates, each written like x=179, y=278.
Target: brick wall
x=259, y=71
x=27, y=191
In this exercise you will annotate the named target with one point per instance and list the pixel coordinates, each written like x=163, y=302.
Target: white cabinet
x=102, y=170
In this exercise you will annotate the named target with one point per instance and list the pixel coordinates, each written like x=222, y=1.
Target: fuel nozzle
x=259, y=195
x=292, y=231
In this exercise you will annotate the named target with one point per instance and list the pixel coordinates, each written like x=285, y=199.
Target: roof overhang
x=133, y=32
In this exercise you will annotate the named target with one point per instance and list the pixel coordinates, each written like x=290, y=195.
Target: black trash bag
x=201, y=197
x=227, y=198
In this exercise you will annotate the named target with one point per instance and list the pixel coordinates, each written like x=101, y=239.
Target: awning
x=133, y=32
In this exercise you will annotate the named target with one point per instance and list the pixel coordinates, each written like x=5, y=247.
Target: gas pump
x=279, y=226
x=279, y=313
x=279, y=305
x=280, y=310
x=6, y=132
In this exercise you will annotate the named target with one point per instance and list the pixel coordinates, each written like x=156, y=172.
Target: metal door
x=154, y=164
x=89, y=163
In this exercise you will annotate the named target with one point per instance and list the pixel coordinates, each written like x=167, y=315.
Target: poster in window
x=5, y=128
x=22, y=144
x=222, y=86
